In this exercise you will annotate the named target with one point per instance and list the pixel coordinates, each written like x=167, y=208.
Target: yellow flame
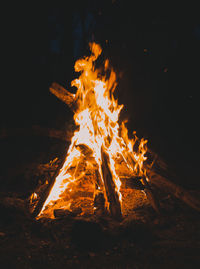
x=97, y=117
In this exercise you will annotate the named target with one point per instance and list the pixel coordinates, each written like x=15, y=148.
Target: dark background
x=154, y=50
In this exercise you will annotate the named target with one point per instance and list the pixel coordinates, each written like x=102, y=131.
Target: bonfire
x=101, y=155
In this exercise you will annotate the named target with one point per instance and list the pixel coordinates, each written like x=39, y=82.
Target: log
x=14, y=203
x=159, y=177
x=132, y=183
x=99, y=196
x=99, y=204
x=65, y=96
x=14, y=209
x=179, y=192
x=151, y=195
x=84, y=149
x=45, y=193
x=111, y=193
x=64, y=213
x=36, y=130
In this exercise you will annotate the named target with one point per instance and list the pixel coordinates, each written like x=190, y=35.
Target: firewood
x=64, y=213
x=179, y=192
x=65, y=96
x=13, y=209
x=159, y=177
x=132, y=183
x=112, y=195
x=99, y=196
x=84, y=149
x=99, y=204
x=151, y=195
x=36, y=130
x=13, y=203
x=45, y=193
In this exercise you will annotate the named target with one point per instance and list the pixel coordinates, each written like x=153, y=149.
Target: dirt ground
x=144, y=239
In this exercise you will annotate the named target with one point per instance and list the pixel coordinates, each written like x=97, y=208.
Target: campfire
x=101, y=156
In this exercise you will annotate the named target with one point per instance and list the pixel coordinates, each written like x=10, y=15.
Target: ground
x=144, y=239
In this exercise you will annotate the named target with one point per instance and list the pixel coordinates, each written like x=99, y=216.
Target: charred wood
x=64, y=213
x=65, y=96
x=45, y=193
x=151, y=195
x=132, y=183
x=112, y=195
x=13, y=210
x=179, y=192
x=14, y=203
x=99, y=204
x=84, y=149
x=36, y=130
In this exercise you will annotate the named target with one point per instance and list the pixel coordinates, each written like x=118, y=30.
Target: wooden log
x=13, y=203
x=99, y=204
x=159, y=177
x=111, y=193
x=151, y=195
x=65, y=96
x=45, y=193
x=64, y=213
x=179, y=192
x=84, y=149
x=132, y=183
x=99, y=196
x=36, y=130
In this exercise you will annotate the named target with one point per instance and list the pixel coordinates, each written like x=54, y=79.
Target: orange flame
x=97, y=117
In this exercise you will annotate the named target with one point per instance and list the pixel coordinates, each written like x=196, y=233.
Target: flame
x=33, y=197
x=97, y=116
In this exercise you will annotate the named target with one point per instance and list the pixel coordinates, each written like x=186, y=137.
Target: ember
x=100, y=152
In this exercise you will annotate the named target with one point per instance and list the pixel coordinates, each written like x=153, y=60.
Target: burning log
x=163, y=183
x=45, y=193
x=150, y=195
x=159, y=174
x=64, y=213
x=99, y=204
x=111, y=193
x=140, y=183
x=64, y=95
x=132, y=183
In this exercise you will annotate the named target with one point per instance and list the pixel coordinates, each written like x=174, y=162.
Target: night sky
x=155, y=52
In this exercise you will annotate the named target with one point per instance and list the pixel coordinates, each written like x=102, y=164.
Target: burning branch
x=45, y=194
x=112, y=195
x=65, y=96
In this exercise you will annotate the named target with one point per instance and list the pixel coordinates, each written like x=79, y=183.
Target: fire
x=99, y=134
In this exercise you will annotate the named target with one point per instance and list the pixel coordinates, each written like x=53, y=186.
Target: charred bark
x=179, y=192
x=45, y=193
x=99, y=204
x=65, y=96
x=151, y=195
x=132, y=183
x=112, y=195
x=36, y=130
x=64, y=213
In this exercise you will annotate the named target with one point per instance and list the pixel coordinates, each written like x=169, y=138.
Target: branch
x=65, y=96
x=177, y=191
x=36, y=130
x=112, y=195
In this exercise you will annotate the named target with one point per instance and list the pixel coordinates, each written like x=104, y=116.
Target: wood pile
x=158, y=173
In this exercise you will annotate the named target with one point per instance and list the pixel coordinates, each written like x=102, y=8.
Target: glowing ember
x=99, y=134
